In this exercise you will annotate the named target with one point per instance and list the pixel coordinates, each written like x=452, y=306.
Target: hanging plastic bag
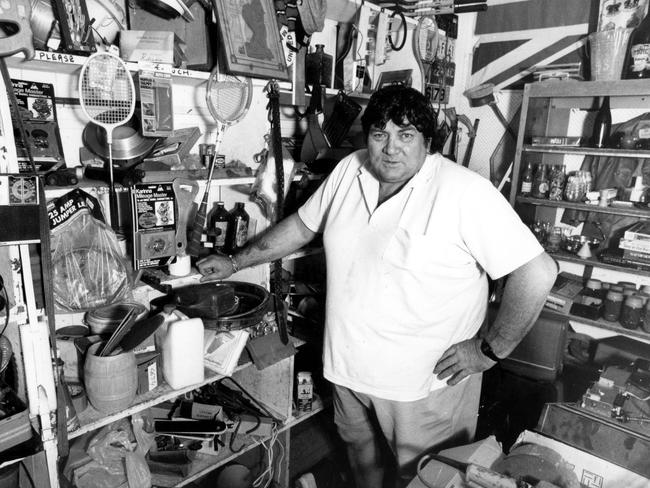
x=90, y=270
x=265, y=187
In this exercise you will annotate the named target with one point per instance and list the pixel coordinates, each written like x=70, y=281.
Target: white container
x=182, y=352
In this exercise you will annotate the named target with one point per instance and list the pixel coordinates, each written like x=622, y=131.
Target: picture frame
x=250, y=39
x=396, y=77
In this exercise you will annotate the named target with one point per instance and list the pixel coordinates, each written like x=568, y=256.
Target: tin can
x=219, y=161
x=304, y=391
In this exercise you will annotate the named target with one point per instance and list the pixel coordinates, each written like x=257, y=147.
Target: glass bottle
x=602, y=124
x=541, y=183
x=237, y=234
x=218, y=229
x=72, y=421
x=527, y=180
x=318, y=67
x=638, y=57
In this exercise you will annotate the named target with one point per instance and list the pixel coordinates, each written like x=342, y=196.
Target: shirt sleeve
x=313, y=212
x=493, y=232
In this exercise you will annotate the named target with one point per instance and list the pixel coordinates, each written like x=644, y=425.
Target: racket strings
x=228, y=97
x=107, y=91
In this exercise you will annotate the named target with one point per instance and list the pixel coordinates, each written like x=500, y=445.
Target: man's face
x=396, y=152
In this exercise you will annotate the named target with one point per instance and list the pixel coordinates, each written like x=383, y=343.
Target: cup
x=607, y=53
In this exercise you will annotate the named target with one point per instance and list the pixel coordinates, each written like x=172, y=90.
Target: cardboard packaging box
x=592, y=471
x=148, y=371
x=603, y=439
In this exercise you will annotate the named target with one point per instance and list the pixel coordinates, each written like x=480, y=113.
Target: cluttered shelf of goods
x=204, y=462
x=91, y=419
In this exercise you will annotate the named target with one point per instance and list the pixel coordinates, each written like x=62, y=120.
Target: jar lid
x=616, y=296
x=627, y=284
x=634, y=302
x=594, y=284
x=616, y=288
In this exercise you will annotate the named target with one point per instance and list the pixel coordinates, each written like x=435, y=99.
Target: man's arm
x=523, y=298
x=282, y=239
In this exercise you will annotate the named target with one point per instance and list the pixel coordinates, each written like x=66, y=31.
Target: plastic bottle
x=602, y=124
x=237, y=235
x=527, y=180
x=638, y=58
x=182, y=350
x=541, y=182
x=218, y=223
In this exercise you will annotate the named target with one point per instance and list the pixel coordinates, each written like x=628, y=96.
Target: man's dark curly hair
x=397, y=103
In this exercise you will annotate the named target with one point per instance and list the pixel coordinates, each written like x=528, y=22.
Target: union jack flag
x=514, y=36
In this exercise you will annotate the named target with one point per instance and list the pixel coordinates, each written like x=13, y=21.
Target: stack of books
x=635, y=246
x=633, y=249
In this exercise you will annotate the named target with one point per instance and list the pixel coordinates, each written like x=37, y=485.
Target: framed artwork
x=251, y=39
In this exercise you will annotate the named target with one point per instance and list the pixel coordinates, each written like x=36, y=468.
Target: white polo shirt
x=407, y=279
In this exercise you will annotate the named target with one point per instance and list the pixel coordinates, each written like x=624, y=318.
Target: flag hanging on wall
x=514, y=36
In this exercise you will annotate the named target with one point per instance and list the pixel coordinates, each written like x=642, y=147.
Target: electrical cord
x=421, y=463
x=404, y=28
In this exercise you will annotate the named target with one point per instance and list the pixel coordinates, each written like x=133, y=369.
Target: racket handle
x=112, y=198
x=194, y=241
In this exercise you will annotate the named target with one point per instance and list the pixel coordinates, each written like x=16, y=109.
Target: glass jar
x=574, y=188
x=645, y=320
x=613, y=304
x=631, y=312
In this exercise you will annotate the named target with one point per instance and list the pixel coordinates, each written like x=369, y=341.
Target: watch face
x=23, y=190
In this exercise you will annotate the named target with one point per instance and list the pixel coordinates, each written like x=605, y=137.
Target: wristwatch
x=486, y=349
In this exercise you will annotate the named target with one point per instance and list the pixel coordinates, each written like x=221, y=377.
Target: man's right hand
x=215, y=267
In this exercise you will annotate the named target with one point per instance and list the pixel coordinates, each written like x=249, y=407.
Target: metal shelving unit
x=546, y=111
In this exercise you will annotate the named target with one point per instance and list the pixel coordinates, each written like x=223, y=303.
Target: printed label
x=640, y=54
x=220, y=233
x=241, y=233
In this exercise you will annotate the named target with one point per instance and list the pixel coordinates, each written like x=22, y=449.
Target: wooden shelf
x=586, y=151
x=206, y=463
x=643, y=213
x=603, y=324
x=573, y=258
x=91, y=419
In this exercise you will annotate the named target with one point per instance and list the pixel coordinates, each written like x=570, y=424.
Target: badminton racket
x=107, y=97
x=228, y=98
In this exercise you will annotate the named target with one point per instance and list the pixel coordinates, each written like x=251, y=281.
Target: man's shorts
x=446, y=417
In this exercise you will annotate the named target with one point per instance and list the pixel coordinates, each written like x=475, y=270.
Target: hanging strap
x=276, y=141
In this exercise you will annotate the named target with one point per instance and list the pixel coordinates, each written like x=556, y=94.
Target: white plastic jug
x=182, y=351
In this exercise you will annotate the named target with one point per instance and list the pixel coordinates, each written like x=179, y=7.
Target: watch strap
x=486, y=349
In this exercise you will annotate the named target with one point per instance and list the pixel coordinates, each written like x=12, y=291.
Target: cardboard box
x=483, y=453
x=566, y=288
x=598, y=436
x=148, y=371
x=592, y=471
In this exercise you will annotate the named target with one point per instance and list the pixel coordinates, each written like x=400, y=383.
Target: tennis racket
x=425, y=44
x=107, y=96
x=228, y=98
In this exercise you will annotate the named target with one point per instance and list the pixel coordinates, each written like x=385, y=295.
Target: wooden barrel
x=111, y=382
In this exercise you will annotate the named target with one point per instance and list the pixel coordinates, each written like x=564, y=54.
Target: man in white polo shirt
x=409, y=238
